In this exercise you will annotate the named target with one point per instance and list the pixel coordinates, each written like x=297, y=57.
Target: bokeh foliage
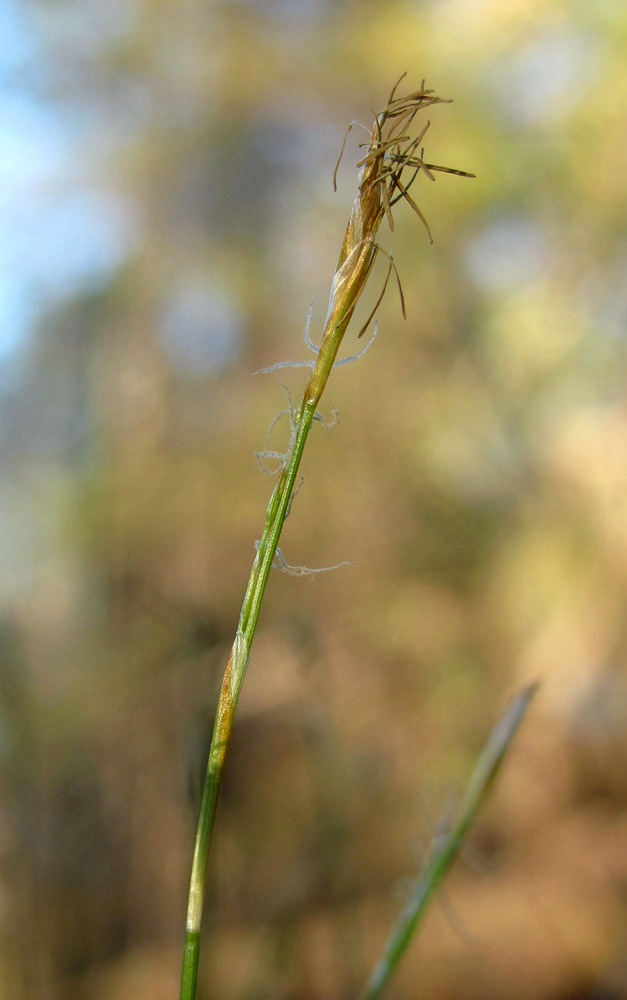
x=478, y=479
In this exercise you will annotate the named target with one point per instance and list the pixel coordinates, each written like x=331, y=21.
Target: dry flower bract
x=391, y=154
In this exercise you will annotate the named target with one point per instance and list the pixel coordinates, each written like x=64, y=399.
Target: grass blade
x=447, y=845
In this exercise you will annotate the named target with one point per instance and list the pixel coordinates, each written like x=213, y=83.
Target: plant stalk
x=390, y=153
x=240, y=651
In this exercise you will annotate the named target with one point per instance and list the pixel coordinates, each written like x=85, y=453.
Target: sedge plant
x=393, y=160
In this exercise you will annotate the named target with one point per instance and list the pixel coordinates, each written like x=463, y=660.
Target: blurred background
x=167, y=215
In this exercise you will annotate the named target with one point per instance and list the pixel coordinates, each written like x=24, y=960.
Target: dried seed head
x=391, y=153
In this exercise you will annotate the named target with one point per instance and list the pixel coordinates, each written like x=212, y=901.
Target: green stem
x=379, y=187
x=238, y=659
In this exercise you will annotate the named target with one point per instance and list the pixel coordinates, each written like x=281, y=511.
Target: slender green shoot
x=390, y=154
x=447, y=844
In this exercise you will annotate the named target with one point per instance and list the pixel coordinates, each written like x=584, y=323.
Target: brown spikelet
x=391, y=154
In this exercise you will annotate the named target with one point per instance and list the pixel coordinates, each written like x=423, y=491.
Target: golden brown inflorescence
x=391, y=155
